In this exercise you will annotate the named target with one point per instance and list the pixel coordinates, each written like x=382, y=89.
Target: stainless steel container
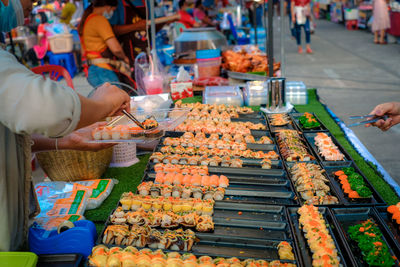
x=276, y=93
x=193, y=39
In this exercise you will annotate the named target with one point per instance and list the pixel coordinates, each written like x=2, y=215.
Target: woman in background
x=381, y=21
x=99, y=44
x=301, y=12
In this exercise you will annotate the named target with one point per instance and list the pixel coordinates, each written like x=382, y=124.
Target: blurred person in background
x=185, y=17
x=381, y=21
x=200, y=14
x=289, y=13
x=301, y=13
x=107, y=61
x=129, y=25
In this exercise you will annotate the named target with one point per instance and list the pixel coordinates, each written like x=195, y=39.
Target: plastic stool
x=352, y=24
x=66, y=60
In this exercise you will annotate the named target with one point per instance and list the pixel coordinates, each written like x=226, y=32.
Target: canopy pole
x=153, y=29
x=270, y=39
x=283, y=31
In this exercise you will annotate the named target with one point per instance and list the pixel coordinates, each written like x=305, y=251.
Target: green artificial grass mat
x=128, y=179
x=385, y=190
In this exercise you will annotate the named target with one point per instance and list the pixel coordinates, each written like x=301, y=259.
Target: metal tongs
x=130, y=116
x=374, y=119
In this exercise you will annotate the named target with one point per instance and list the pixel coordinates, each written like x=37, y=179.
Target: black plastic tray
x=295, y=118
x=346, y=217
x=310, y=139
x=59, y=260
x=273, y=129
x=391, y=225
x=301, y=241
x=304, y=142
x=375, y=199
x=333, y=188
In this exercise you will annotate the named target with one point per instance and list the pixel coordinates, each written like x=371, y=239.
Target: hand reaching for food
x=392, y=110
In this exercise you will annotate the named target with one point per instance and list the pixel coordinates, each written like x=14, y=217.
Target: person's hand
x=113, y=98
x=391, y=109
x=78, y=140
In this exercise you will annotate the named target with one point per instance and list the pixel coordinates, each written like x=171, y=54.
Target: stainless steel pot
x=195, y=39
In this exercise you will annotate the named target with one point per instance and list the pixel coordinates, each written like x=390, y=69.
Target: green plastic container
x=18, y=259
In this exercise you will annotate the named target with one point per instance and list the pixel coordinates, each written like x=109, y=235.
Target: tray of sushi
x=327, y=149
x=308, y=122
x=312, y=184
x=368, y=240
x=258, y=140
x=352, y=186
x=279, y=121
x=316, y=236
x=155, y=123
x=293, y=146
x=263, y=191
x=209, y=112
x=391, y=219
x=130, y=256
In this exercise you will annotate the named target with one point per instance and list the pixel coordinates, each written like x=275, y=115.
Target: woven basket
x=73, y=165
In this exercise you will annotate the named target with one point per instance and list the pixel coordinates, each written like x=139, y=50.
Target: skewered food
x=141, y=236
x=353, y=184
x=130, y=256
x=279, y=119
x=310, y=182
x=292, y=146
x=374, y=249
x=183, y=191
x=210, y=127
x=318, y=237
x=326, y=148
x=308, y=121
x=210, y=107
x=285, y=251
x=195, y=180
x=129, y=201
x=164, y=219
x=203, y=150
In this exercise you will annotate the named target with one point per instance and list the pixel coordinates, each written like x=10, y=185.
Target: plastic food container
x=229, y=95
x=255, y=93
x=209, y=62
x=296, y=93
x=61, y=43
x=18, y=259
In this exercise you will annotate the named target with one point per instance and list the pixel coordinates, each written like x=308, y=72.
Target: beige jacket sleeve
x=31, y=104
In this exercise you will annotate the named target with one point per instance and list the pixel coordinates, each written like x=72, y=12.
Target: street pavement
x=352, y=75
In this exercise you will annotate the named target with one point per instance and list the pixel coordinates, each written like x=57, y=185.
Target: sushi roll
x=226, y=161
x=106, y=133
x=197, y=192
x=266, y=164
x=214, y=180
x=155, y=191
x=176, y=191
x=184, y=159
x=219, y=193
x=188, y=135
x=144, y=188
x=223, y=181
x=238, y=138
x=177, y=180
x=160, y=178
x=169, y=179
x=193, y=160
x=249, y=139
x=197, y=180
x=156, y=157
x=186, y=192
x=97, y=133
x=166, y=191
x=174, y=159
x=208, y=193
x=205, y=180
x=236, y=163
x=187, y=180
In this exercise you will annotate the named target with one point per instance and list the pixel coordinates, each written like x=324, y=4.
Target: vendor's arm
x=30, y=104
x=141, y=25
x=77, y=140
x=116, y=49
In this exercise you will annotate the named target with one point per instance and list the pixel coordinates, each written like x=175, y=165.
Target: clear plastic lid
x=230, y=95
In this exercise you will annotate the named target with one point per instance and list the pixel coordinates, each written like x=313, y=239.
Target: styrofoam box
x=350, y=14
x=61, y=43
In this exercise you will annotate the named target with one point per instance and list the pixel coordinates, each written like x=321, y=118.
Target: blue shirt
x=119, y=14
